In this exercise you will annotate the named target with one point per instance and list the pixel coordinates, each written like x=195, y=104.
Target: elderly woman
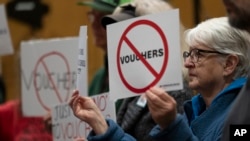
x=217, y=64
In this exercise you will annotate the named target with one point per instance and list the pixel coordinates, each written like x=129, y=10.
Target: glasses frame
x=197, y=53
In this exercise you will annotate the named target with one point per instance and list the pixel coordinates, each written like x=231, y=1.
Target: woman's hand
x=162, y=106
x=86, y=110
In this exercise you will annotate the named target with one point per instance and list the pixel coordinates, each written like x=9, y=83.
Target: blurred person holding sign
x=100, y=81
x=100, y=8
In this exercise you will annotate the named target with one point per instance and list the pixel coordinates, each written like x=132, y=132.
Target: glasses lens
x=185, y=55
x=193, y=54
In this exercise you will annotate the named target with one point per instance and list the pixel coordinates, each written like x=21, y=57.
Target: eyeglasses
x=195, y=54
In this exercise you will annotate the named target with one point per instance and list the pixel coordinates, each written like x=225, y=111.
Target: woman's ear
x=230, y=65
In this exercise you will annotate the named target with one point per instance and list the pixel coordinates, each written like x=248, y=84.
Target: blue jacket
x=197, y=124
x=114, y=133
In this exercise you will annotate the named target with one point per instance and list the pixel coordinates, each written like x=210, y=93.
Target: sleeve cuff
x=176, y=130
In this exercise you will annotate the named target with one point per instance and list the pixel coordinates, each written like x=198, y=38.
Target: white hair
x=216, y=33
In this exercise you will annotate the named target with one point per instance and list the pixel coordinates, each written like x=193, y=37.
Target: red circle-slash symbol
x=142, y=59
x=41, y=63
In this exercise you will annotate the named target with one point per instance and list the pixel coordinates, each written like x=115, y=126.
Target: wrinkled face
x=100, y=36
x=205, y=68
x=238, y=13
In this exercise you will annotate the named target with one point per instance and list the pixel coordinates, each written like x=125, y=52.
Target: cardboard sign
x=82, y=78
x=5, y=40
x=67, y=127
x=49, y=69
x=144, y=52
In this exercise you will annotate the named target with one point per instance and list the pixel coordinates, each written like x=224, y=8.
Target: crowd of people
x=215, y=73
x=217, y=64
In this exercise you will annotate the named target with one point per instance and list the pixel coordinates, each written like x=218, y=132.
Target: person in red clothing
x=15, y=127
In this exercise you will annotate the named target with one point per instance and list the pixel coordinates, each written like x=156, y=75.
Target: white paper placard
x=82, y=77
x=49, y=69
x=144, y=52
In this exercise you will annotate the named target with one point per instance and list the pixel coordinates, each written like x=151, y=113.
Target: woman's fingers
x=161, y=93
x=73, y=97
x=161, y=105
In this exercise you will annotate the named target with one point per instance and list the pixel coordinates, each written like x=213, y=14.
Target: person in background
x=238, y=13
x=239, y=16
x=217, y=64
x=100, y=8
x=100, y=82
x=134, y=119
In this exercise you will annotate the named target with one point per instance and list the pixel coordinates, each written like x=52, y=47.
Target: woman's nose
x=188, y=63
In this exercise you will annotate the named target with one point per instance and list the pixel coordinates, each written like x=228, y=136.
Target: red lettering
x=101, y=101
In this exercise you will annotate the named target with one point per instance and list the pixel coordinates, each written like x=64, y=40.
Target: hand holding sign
x=85, y=109
x=161, y=106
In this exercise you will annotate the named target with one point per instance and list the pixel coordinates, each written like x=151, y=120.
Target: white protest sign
x=49, y=69
x=66, y=127
x=82, y=77
x=5, y=40
x=144, y=52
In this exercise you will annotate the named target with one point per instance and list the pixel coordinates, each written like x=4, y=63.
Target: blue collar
x=198, y=104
